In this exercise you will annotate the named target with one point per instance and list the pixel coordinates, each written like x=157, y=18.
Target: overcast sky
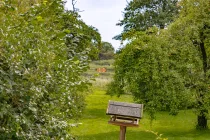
x=102, y=14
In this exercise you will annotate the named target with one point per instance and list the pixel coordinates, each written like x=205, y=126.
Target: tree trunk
x=162, y=26
x=204, y=55
x=202, y=119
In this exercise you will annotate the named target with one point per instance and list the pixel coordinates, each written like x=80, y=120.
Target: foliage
x=82, y=37
x=140, y=15
x=168, y=70
x=43, y=53
x=106, y=47
x=144, y=69
x=193, y=29
x=106, y=51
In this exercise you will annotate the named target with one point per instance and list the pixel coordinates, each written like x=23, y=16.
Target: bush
x=40, y=79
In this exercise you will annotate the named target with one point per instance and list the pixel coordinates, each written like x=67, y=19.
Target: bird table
x=124, y=115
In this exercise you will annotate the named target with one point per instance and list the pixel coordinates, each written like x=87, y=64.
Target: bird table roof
x=125, y=109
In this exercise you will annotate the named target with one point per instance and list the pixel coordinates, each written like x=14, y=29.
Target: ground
x=94, y=123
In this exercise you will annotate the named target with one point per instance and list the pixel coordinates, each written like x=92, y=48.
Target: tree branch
x=73, y=2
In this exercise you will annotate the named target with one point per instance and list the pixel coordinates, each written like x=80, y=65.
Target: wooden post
x=124, y=115
x=122, y=132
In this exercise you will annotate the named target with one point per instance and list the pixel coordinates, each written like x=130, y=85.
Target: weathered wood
x=124, y=119
x=124, y=114
x=124, y=124
x=125, y=109
x=125, y=104
x=122, y=132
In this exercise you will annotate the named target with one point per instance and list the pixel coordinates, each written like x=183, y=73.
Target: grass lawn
x=95, y=127
x=94, y=124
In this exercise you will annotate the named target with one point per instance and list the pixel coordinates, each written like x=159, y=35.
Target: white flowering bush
x=40, y=70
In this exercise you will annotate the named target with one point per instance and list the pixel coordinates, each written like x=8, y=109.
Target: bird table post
x=124, y=115
x=122, y=132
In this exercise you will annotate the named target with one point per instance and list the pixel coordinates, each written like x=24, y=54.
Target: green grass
x=94, y=124
x=102, y=79
x=95, y=127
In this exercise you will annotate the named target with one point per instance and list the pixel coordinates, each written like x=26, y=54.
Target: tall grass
x=101, y=82
x=101, y=79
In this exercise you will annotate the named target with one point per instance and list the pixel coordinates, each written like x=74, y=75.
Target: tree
x=81, y=38
x=106, y=51
x=145, y=70
x=193, y=27
x=169, y=71
x=107, y=47
x=140, y=15
x=85, y=36
x=41, y=87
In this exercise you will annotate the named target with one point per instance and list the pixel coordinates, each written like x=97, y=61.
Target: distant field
x=102, y=78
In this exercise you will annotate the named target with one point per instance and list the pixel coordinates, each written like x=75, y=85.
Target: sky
x=102, y=14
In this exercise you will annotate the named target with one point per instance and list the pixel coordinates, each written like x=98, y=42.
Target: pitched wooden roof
x=125, y=109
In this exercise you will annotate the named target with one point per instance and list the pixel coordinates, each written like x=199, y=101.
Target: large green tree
x=41, y=63
x=139, y=15
x=144, y=69
x=193, y=27
x=169, y=70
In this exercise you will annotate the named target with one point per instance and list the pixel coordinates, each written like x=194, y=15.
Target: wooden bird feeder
x=124, y=115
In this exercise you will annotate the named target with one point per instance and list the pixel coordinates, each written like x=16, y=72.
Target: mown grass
x=94, y=123
x=95, y=127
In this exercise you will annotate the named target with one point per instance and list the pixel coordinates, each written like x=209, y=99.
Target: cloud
x=102, y=14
